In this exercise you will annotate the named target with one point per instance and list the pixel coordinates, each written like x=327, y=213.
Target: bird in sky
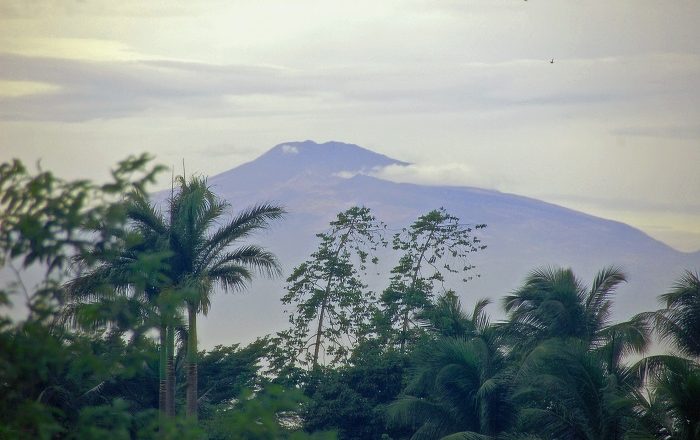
x=551, y=61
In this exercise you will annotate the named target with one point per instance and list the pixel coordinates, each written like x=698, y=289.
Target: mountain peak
x=330, y=156
x=291, y=159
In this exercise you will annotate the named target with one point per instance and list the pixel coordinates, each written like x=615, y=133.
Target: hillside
x=315, y=181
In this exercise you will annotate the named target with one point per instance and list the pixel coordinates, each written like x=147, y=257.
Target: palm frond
x=679, y=322
x=598, y=301
x=144, y=215
x=254, y=218
x=251, y=257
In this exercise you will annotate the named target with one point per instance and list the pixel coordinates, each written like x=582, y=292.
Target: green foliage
x=48, y=373
x=353, y=398
x=202, y=255
x=679, y=322
x=329, y=294
x=166, y=262
x=445, y=317
x=669, y=408
x=460, y=383
x=225, y=372
x=84, y=365
x=269, y=414
x=565, y=392
x=553, y=303
x=45, y=219
x=434, y=247
x=115, y=421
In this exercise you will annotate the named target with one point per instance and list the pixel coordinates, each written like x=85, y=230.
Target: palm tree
x=446, y=317
x=679, y=322
x=572, y=381
x=460, y=385
x=192, y=257
x=553, y=303
x=201, y=255
x=564, y=392
x=671, y=410
x=127, y=287
x=678, y=387
x=671, y=407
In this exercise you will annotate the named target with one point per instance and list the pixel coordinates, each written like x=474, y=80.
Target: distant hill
x=316, y=181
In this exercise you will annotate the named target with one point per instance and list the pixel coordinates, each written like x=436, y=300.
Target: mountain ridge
x=522, y=233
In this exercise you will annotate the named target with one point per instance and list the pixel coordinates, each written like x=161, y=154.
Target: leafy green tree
x=434, y=246
x=269, y=414
x=332, y=302
x=46, y=220
x=49, y=374
x=353, y=398
x=224, y=372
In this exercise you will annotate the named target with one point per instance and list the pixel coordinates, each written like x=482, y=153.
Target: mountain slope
x=315, y=181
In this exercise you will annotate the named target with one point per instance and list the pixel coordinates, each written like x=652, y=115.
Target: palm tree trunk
x=192, y=362
x=162, y=373
x=170, y=373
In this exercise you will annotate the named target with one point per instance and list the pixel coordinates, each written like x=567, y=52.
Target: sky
x=593, y=105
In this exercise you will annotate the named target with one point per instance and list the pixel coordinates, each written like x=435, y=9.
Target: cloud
x=289, y=149
x=666, y=131
x=19, y=9
x=455, y=174
x=99, y=89
x=15, y=89
x=438, y=174
x=346, y=174
x=610, y=202
x=104, y=90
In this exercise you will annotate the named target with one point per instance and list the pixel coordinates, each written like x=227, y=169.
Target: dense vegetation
x=108, y=345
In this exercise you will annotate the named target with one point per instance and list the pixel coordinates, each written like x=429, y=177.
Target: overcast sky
x=463, y=89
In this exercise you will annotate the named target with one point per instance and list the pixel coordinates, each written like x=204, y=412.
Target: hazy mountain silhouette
x=316, y=181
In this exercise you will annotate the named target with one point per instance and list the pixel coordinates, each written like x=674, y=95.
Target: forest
x=108, y=346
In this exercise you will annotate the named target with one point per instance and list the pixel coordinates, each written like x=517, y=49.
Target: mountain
x=316, y=181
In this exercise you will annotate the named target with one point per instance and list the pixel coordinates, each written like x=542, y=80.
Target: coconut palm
x=460, y=384
x=446, y=317
x=678, y=387
x=679, y=322
x=670, y=408
x=572, y=380
x=553, y=303
x=456, y=387
x=564, y=392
